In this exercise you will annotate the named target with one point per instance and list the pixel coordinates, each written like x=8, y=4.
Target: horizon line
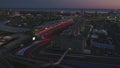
x=63, y=8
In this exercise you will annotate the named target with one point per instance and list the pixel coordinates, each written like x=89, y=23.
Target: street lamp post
x=60, y=60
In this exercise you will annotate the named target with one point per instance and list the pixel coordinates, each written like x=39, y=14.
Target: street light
x=46, y=28
x=70, y=49
x=57, y=64
x=33, y=38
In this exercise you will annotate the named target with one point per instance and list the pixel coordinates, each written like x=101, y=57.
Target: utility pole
x=60, y=60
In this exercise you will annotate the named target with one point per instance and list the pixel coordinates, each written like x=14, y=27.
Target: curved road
x=6, y=28
x=29, y=50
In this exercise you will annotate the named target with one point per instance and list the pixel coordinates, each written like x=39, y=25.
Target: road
x=20, y=38
x=71, y=60
x=6, y=28
x=49, y=32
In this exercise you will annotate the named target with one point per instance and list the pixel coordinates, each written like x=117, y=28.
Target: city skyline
x=105, y=4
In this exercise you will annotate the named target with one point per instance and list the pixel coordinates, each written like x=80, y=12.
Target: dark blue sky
x=59, y=3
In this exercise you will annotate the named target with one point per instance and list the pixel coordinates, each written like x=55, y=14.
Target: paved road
x=4, y=27
x=20, y=38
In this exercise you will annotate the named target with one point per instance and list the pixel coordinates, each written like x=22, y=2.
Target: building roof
x=102, y=45
x=100, y=31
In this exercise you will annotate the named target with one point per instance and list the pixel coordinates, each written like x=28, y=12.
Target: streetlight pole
x=60, y=60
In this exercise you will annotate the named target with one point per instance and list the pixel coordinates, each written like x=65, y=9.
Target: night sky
x=113, y=4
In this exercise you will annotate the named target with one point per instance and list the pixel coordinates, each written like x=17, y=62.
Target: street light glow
x=33, y=38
